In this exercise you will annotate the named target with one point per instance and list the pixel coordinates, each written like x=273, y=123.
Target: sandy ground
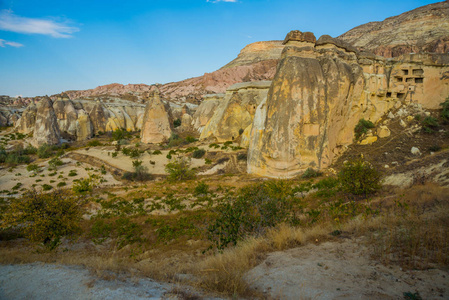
x=39, y=281
x=8, y=178
x=343, y=270
x=125, y=162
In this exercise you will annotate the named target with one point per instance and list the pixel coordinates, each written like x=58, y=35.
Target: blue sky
x=47, y=47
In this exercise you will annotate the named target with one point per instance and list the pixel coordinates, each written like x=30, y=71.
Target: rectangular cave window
x=388, y=94
x=418, y=71
x=398, y=79
x=419, y=80
x=410, y=80
x=401, y=95
x=404, y=72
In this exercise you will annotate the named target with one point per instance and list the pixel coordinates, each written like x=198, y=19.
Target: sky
x=47, y=47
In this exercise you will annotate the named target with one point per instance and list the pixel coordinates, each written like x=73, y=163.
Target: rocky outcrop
x=26, y=122
x=46, y=129
x=206, y=110
x=322, y=89
x=236, y=112
x=425, y=29
x=82, y=119
x=156, y=126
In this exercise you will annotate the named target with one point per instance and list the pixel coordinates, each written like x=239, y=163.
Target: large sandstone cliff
x=156, y=126
x=425, y=29
x=320, y=91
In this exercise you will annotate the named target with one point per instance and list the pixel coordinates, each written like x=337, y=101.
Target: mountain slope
x=424, y=29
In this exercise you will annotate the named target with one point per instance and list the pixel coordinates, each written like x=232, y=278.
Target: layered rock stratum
x=425, y=29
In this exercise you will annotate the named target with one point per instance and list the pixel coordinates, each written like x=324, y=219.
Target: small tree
x=362, y=127
x=359, y=177
x=179, y=169
x=45, y=217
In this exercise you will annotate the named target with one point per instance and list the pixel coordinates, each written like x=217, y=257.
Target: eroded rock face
x=308, y=108
x=26, y=122
x=425, y=29
x=206, y=110
x=236, y=112
x=46, y=129
x=156, y=126
x=322, y=89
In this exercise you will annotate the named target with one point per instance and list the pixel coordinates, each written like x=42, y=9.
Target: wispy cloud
x=215, y=1
x=11, y=22
x=4, y=43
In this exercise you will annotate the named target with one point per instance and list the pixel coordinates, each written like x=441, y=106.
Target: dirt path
x=39, y=281
x=343, y=270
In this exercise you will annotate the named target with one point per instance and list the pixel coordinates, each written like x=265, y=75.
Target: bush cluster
x=45, y=217
x=362, y=128
x=179, y=169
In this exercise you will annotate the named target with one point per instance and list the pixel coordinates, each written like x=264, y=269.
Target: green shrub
x=45, y=217
x=30, y=150
x=256, y=208
x=241, y=131
x=359, y=177
x=242, y=156
x=445, y=110
x=61, y=184
x=94, y=143
x=179, y=169
x=46, y=187
x=44, y=151
x=176, y=123
x=73, y=173
x=198, y=153
x=311, y=173
x=201, y=189
x=362, y=127
x=114, y=154
x=190, y=139
x=175, y=140
x=140, y=172
x=120, y=134
x=157, y=152
x=429, y=124
x=207, y=161
x=54, y=163
x=33, y=168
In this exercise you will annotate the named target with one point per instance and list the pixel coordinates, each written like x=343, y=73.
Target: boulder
x=383, y=132
x=156, y=126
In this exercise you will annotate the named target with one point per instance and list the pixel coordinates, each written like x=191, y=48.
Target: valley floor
x=331, y=270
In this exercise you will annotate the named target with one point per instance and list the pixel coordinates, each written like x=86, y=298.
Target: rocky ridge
x=425, y=29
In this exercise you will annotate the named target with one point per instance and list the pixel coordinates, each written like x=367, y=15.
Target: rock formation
x=425, y=29
x=236, y=112
x=46, y=129
x=206, y=110
x=321, y=90
x=156, y=126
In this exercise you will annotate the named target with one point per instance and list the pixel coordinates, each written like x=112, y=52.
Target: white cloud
x=14, y=23
x=4, y=43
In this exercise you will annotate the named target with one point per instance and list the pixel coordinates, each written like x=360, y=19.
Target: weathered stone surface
x=26, y=122
x=66, y=115
x=308, y=114
x=156, y=123
x=236, y=111
x=46, y=129
x=368, y=140
x=383, y=132
x=206, y=110
x=425, y=29
x=84, y=128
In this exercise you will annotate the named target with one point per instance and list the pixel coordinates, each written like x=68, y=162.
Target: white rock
x=415, y=151
x=390, y=115
x=402, y=123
